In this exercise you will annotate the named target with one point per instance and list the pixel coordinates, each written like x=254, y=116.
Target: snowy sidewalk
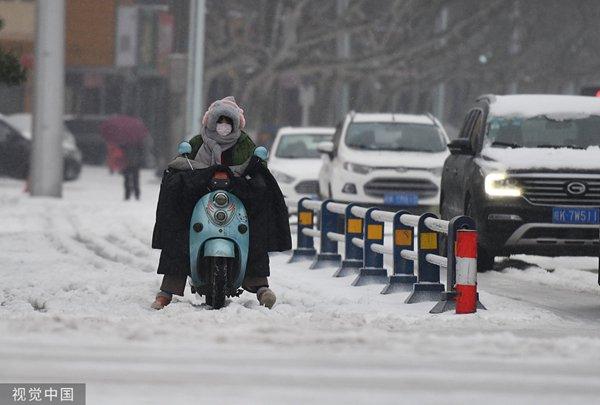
x=78, y=278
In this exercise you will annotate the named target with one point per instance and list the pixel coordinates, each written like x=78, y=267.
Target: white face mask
x=224, y=128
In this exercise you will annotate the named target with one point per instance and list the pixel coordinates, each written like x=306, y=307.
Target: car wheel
x=71, y=171
x=485, y=259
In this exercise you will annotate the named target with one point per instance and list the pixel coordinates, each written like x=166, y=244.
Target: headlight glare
x=499, y=185
x=360, y=169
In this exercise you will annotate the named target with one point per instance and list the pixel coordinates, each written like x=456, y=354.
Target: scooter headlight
x=220, y=217
x=221, y=199
x=500, y=185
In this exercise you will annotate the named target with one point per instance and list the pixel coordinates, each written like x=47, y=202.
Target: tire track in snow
x=564, y=302
x=60, y=234
x=66, y=234
x=112, y=248
x=126, y=244
x=112, y=252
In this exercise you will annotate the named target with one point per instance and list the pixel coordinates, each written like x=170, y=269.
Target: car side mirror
x=326, y=148
x=460, y=146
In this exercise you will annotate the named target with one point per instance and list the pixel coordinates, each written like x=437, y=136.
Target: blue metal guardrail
x=361, y=230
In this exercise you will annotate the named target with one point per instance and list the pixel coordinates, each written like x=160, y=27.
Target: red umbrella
x=123, y=130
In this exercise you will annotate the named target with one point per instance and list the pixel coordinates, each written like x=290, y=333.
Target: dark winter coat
x=267, y=216
x=134, y=156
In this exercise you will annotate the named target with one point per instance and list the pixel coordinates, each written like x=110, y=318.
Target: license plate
x=562, y=215
x=401, y=199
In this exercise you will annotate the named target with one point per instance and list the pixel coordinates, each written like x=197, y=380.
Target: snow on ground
x=78, y=278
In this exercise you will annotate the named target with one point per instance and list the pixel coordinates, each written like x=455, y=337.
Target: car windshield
x=395, y=136
x=300, y=146
x=543, y=132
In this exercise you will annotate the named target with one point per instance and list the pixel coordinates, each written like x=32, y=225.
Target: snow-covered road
x=78, y=277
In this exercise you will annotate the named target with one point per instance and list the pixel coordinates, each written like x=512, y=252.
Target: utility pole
x=195, y=74
x=46, y=174
x=514, y=47
x=307, y=99
x=343, y=53
x=439, y=104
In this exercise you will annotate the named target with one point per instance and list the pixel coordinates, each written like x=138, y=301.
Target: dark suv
x=527, y=169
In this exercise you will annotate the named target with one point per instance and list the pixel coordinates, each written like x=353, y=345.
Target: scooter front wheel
x=218, y=278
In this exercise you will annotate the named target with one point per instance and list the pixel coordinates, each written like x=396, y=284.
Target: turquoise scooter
x=219, y=239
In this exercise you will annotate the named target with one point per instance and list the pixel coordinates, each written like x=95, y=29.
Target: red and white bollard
x=466, y=271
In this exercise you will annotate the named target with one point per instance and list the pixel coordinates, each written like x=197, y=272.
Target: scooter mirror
x=184, y=148
x=261, y=152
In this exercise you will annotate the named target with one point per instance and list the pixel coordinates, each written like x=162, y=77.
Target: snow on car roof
x=306, y=130
x=22, y=122
x=544, y=158
x=553, y=106
x=389, y=117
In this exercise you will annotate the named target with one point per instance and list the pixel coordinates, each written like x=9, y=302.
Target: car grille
x=422, y=187
x=307, y=187
x=570, y=234
x=552, y=190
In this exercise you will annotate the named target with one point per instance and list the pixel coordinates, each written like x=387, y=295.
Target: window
x=542, y=131
x=395, y=136
x=338, y=134
x=477, y=128
x=466, y=128
x=300, y=146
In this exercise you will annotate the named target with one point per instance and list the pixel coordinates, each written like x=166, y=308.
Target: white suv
x=295, y=160
x=387, y=160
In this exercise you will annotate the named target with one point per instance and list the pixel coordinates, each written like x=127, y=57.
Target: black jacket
x=267, y=216
x=134, y=156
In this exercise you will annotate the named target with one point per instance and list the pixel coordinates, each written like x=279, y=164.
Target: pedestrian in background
x=134, y=156
x=126, y=133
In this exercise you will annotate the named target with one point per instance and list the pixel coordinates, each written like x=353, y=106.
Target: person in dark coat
x=133, y=157
x=221, y=143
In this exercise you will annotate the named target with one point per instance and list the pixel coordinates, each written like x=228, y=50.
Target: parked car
x=386, y=160
x=15, y=148
x=526, y=168
x=86, y=129
x=295, y=161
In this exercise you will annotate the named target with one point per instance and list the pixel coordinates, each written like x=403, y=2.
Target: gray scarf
x=214, y=145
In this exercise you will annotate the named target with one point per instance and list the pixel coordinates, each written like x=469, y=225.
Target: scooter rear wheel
x=218, y=271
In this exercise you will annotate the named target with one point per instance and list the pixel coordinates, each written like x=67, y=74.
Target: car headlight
x=360, y=169
x=499, y=185
x=69, y=143
x=282, y=177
